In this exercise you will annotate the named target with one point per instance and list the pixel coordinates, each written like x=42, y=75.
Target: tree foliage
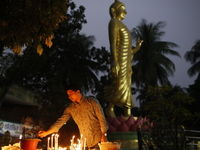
x=72, y=58
x=193, y=56
x=168, y=110
x=28, y=23
x=151, y=64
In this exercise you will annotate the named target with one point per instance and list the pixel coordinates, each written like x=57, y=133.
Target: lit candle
x=75, y=146
x=79, y=144
x=48, y=143
x=56, y=141
x=20, y=137
x=84, y=143
x=72, y=142
x=62, y=148
x=52, y=137
x=81, y=141
x=81, y=136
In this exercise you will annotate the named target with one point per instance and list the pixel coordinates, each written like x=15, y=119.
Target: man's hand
x=42, y=134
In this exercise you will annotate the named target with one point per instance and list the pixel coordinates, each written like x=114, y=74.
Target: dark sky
x=182, y=19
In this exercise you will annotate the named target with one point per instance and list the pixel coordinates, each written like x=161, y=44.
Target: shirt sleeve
x=100, y=115
x=61, y=121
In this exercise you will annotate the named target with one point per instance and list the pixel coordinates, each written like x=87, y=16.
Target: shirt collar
x=80, y=101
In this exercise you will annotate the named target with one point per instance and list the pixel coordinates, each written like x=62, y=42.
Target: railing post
x=139, y=138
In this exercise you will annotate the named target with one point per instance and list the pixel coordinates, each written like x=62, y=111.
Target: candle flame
x=81, y=143
x=62, y=148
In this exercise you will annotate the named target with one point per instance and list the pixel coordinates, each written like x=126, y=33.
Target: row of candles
x=52, y=143
x=80, y=143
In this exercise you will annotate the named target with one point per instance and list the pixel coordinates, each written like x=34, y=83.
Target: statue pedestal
x=128, y=140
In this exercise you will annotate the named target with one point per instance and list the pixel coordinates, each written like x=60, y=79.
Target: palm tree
x=193, y=56
x=151, y=65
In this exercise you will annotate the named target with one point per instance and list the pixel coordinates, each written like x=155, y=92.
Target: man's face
x=74, y=96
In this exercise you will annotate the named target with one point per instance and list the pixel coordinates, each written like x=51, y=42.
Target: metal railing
x=191, y=138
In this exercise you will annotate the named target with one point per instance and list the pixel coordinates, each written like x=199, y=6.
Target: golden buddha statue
x=119, y=92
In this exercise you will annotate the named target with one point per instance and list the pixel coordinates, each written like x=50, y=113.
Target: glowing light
x=56, y=142
x=62, y=148
x=48, y=143
x=53, y=141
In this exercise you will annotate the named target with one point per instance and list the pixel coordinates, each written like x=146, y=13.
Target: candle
x=48, y=143
x=84, y=143
x=52, y=137
x=56, y=141
x=75, y=146
x=20, y=137
x=81, y=141
x=62, y=148
x=79, y=144
x=81, y=136
x=72, y=142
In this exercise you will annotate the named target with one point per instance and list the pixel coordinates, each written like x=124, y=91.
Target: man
x=87, y=114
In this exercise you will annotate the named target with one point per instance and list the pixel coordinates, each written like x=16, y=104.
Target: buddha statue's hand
x=139, y=43
x=115, y=69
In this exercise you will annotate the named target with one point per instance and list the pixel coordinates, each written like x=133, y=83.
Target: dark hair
x=74, y=87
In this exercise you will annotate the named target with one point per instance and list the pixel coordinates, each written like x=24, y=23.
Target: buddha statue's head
x=113, y=8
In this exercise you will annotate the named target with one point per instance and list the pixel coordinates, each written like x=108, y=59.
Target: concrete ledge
x=128, y=140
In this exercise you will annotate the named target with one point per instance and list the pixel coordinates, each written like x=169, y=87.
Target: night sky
x=181, y=18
